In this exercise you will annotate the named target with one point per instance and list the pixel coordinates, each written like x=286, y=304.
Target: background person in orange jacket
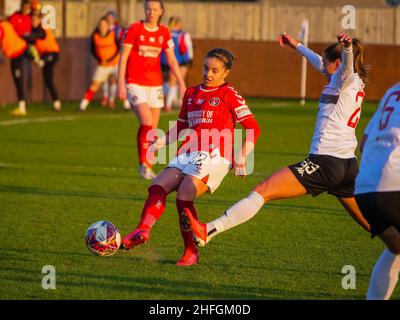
x=105, y=48
x=15, y=48
x=48, y=50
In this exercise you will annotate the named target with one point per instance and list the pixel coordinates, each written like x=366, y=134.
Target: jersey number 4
x=353, y=121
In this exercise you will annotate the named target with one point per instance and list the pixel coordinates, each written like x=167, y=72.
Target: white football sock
x=384, y=277
x=22, y=105
x=84, y=104
x=239, y=213
x=127, y=105
x=171, y=96
x=105, y=88
x=113, y=91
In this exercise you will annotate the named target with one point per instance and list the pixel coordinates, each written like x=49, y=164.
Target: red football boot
x=135, y=238
x=188, y=259
x=198, y=229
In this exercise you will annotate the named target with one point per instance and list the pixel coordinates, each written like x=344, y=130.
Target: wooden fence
x=262, y=20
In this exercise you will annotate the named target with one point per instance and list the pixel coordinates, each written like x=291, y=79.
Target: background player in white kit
x=331, y=165
x=378, y=190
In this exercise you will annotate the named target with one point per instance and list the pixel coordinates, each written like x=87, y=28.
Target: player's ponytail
x=334, y=52
x=224, y=55
x=359, y=65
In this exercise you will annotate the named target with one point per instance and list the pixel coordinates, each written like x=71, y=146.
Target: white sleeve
x=345, y=70
x=375, y=118
x=189, y=45
x=312, y=57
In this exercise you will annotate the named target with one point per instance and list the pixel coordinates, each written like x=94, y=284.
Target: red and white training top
x=144, y=63
x=212, y=112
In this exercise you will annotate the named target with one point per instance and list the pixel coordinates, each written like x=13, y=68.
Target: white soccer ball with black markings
x=103, y=238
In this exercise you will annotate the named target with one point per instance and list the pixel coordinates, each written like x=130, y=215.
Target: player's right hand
x=158, y=144
x=122, y=91
x=284, y=39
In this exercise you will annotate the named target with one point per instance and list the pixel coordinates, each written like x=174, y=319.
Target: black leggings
x=50, y=59
x=17, y=70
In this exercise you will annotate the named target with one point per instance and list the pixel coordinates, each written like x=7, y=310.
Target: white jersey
x=339, y=107
x=380, y=161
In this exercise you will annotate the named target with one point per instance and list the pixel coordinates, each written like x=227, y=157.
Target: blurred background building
x=248, y=28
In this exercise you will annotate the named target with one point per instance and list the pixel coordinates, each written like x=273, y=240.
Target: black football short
x=320, y=173
x=380, y=209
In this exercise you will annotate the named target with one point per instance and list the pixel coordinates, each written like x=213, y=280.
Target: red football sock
x=143, y=145
x=153, y=207
x=89, y=95
x=185, y=231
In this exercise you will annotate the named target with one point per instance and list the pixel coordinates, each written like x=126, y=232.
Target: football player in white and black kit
x=377, y=190
x=331, y=165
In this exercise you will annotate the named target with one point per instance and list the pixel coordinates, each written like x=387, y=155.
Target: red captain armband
x=251, y=124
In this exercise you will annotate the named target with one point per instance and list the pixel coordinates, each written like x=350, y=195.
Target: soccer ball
x=103, y=238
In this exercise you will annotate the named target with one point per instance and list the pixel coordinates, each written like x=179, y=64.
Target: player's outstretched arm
x=126, y=50
x=315, y=59
x=252, y=134
x=346, y=67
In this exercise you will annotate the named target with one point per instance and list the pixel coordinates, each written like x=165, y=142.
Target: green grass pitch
x=60, y=172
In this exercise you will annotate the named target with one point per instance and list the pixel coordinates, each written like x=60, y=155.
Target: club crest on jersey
x=152, y=39
x=214, y=102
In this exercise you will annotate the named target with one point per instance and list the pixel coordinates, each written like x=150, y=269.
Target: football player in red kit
x=209, y=112
x=140, y=78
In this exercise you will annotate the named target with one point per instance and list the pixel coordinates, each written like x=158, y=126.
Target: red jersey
x=212, y=111
x=21, y=23
x=144, y=63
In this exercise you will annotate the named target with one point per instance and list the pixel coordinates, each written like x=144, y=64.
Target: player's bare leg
x=172, y=91
x=351, y=207
x=189, y=189
x=113, y=91
x=155, y=114
x=385, y=275
x=281, y=185
x=165, y=183
x=145, y=116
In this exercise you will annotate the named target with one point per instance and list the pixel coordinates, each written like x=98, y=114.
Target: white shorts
x=211, y=168
x=153, y=96
x=103, y=73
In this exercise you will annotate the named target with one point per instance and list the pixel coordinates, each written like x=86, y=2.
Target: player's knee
x=186, y=191
x=262, y=190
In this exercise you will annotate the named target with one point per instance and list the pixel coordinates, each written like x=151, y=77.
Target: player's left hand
x=240, y=170
x=182, y=90
x=239, y=166
x=345, y=40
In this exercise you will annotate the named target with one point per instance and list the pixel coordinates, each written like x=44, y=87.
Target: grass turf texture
x=63, y=171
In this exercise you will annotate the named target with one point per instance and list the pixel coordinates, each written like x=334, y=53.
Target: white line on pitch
x=65, y=118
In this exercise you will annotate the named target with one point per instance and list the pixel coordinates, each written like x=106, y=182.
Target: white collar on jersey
x=212, y=89
x=150, y=29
